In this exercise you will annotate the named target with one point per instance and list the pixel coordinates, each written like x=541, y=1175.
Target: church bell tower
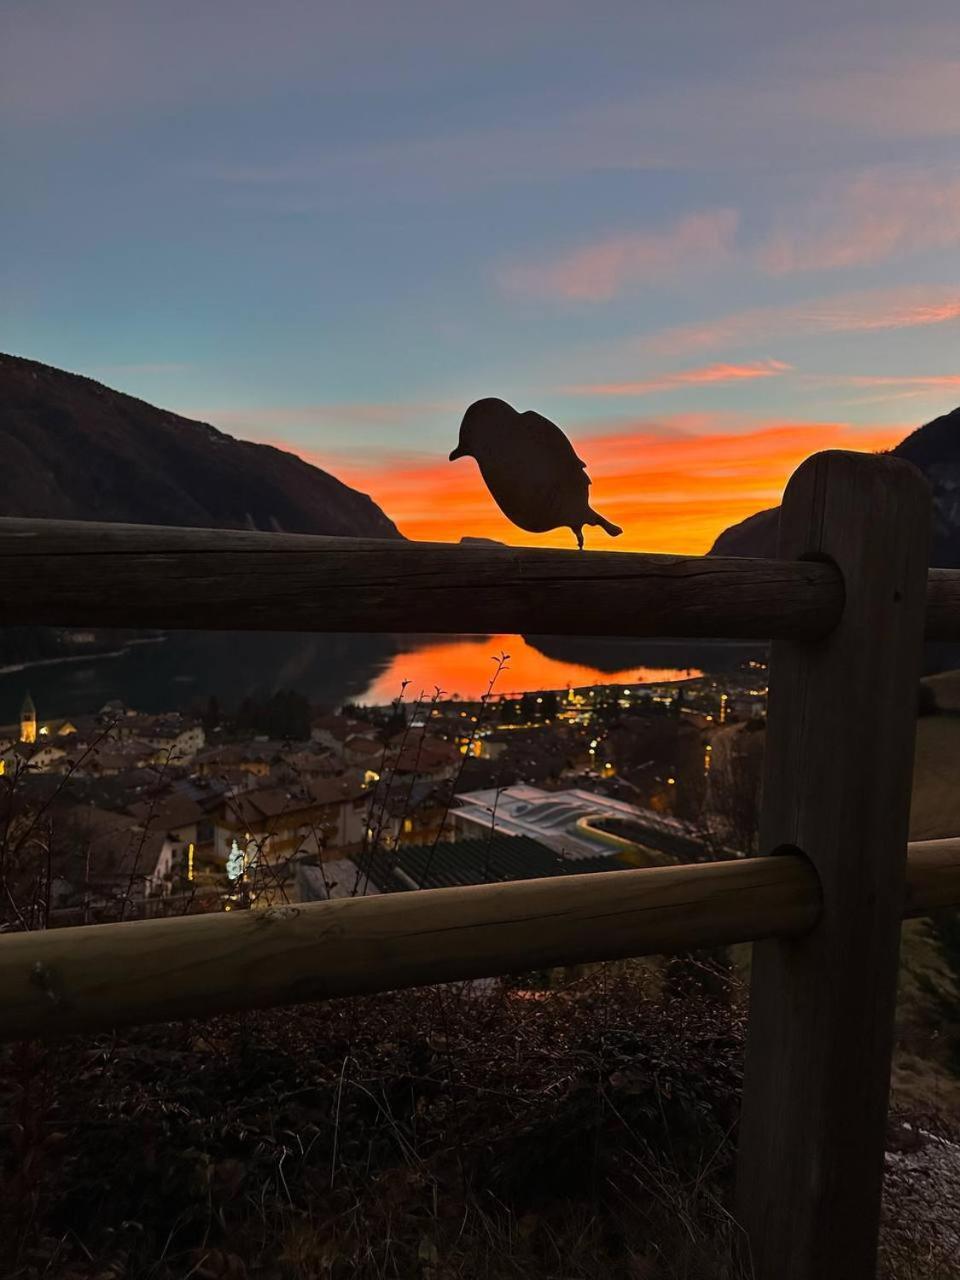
x=28, y=720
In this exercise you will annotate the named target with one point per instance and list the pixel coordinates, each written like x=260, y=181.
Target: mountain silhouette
x=933, y=448
x=73, y=449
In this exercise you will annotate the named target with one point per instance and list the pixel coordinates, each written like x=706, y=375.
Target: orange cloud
x=887, y=387
x=921, y=381
x=670, y=493
x=599, y=271
x=864, y=312
x=711, y=374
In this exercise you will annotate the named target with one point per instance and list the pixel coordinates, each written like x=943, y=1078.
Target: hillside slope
x=934, y=448
x=76, y=450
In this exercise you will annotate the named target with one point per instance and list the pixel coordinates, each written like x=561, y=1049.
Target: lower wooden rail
x=102, y=976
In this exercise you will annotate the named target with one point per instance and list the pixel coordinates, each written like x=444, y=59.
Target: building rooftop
x=560, y=819
x=336, y=878
x=485, y=860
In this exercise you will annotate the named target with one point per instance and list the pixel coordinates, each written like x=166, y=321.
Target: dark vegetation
x=435, y=1133
x=284, y=715
x=580, y=1128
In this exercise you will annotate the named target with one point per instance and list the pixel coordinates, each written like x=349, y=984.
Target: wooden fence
x=847, y=605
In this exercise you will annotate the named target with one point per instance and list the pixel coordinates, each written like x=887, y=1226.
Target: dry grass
x=567, y=1134
x=429, y=1134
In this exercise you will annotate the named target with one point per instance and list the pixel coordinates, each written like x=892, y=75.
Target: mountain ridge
x=75, y=448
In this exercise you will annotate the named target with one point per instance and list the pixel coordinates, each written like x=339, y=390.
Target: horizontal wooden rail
x=94, y=978
x=73, y=573
x=943, y=605
x=933, y=877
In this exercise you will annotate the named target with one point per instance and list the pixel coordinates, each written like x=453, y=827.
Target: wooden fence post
x=837, y=781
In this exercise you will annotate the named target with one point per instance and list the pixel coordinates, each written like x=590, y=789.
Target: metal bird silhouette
x=530, y=468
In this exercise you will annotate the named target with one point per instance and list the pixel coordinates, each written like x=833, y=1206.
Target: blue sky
x=335, y=225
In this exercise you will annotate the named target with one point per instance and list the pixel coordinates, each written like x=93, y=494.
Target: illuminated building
x=28, y=721
x=570, y=822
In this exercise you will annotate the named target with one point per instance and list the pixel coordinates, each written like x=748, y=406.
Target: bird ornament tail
x=607, y=526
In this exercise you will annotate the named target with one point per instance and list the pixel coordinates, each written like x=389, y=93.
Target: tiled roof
x=486, y=860
x=277, y=803
x=167, y=813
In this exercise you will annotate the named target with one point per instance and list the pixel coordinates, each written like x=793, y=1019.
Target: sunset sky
x=707, y=239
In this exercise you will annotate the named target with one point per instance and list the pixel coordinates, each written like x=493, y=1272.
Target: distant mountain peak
x=74, y=449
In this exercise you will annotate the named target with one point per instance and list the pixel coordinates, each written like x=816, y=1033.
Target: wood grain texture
x=933, y=876
x=264, y=578
x=943, y=604
x=837, y=777
x=76, y=574
x=94, y=978
x=86, y=979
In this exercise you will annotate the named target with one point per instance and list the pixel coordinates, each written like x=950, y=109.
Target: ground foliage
x=557, y=1127
x=428, y=1134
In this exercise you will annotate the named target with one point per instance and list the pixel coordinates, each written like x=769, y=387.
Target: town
x=123, y=815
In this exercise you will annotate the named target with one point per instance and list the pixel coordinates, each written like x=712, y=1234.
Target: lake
x=185, y=668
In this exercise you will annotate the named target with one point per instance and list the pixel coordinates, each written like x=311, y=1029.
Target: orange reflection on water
x=465, y=665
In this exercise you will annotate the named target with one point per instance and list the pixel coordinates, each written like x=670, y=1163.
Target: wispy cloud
x=858, y=89
x=870, y=218
x=875, y=216
x=922, y=381
x=599, y=270
x=708, y=375
x=885, y=388
x=909, y=307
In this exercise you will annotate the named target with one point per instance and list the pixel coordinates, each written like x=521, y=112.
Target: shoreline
x=15, y=667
